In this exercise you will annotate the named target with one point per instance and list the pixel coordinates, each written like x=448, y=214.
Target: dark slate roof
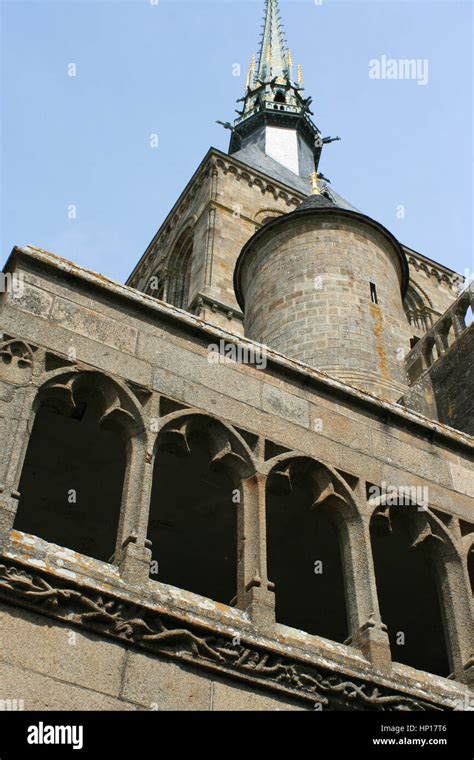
x=316, y=201
x=257, y=159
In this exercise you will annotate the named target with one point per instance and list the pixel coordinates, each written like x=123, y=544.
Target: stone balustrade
x=446, y=330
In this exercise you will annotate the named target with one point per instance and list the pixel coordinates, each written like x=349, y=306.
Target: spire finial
x=251, y=73
x=273, y=57
x=315, y=189
x=274, y=99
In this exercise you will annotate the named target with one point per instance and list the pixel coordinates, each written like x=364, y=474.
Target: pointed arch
x=177, y=271
x=418, y=308
x=198, y=498
x=309, y=511
x=61, y=389
x=421, y=585
x=71, y=485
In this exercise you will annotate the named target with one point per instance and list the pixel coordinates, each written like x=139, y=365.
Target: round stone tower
x=324, y=285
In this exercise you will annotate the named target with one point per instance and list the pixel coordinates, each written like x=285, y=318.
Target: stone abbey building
x=243, y=480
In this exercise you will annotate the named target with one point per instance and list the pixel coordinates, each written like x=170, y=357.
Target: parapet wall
x=440, y=369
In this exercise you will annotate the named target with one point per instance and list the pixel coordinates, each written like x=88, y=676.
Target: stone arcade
x=155, y=587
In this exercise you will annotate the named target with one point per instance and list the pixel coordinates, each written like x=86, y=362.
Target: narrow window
x=373, y=293
x=179, y=271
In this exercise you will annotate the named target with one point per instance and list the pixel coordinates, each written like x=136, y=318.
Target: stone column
x=441, y=348
x=132, y=552
x=457, y=615
x=255, y=590
x=8, y=508
x=367, y=631
x=458, y=321
x=15, y=451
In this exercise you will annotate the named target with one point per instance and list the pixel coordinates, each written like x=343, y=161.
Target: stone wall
x=437, y=284
x=53, y=666
x=306, y=285
x=441, y=369
x=155, y=360
x=223, y=204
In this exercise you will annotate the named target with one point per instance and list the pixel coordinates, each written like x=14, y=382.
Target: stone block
x=42, y=693
x=285, y=405
x=245, y=699
x=159, y=684
x=92, y=324
x=59, y=651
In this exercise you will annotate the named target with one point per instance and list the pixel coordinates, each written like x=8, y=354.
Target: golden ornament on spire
x=251, y=71
x=315, y=177
x=290, y=59
x=300, y=74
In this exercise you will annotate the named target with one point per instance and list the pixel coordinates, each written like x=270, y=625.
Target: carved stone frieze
x=166, y=635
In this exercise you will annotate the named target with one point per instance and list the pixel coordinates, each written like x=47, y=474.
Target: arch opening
x=468, y=317
x=72, y=478
x=408, y=592
x=304, y=558
x=193, y=520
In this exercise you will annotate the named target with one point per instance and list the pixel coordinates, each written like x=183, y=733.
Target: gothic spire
x=275, y=117
x=273, y=59
x=270, y=77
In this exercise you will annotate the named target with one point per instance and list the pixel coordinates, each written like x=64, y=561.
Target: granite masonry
x=244, y=480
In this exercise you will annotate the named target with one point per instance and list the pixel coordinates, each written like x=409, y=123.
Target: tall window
x=418, y=312
x=179, y=271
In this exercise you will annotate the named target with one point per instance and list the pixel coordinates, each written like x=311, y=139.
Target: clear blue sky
x=167, y=69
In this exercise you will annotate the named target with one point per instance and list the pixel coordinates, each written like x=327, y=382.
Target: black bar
x=323, y=735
